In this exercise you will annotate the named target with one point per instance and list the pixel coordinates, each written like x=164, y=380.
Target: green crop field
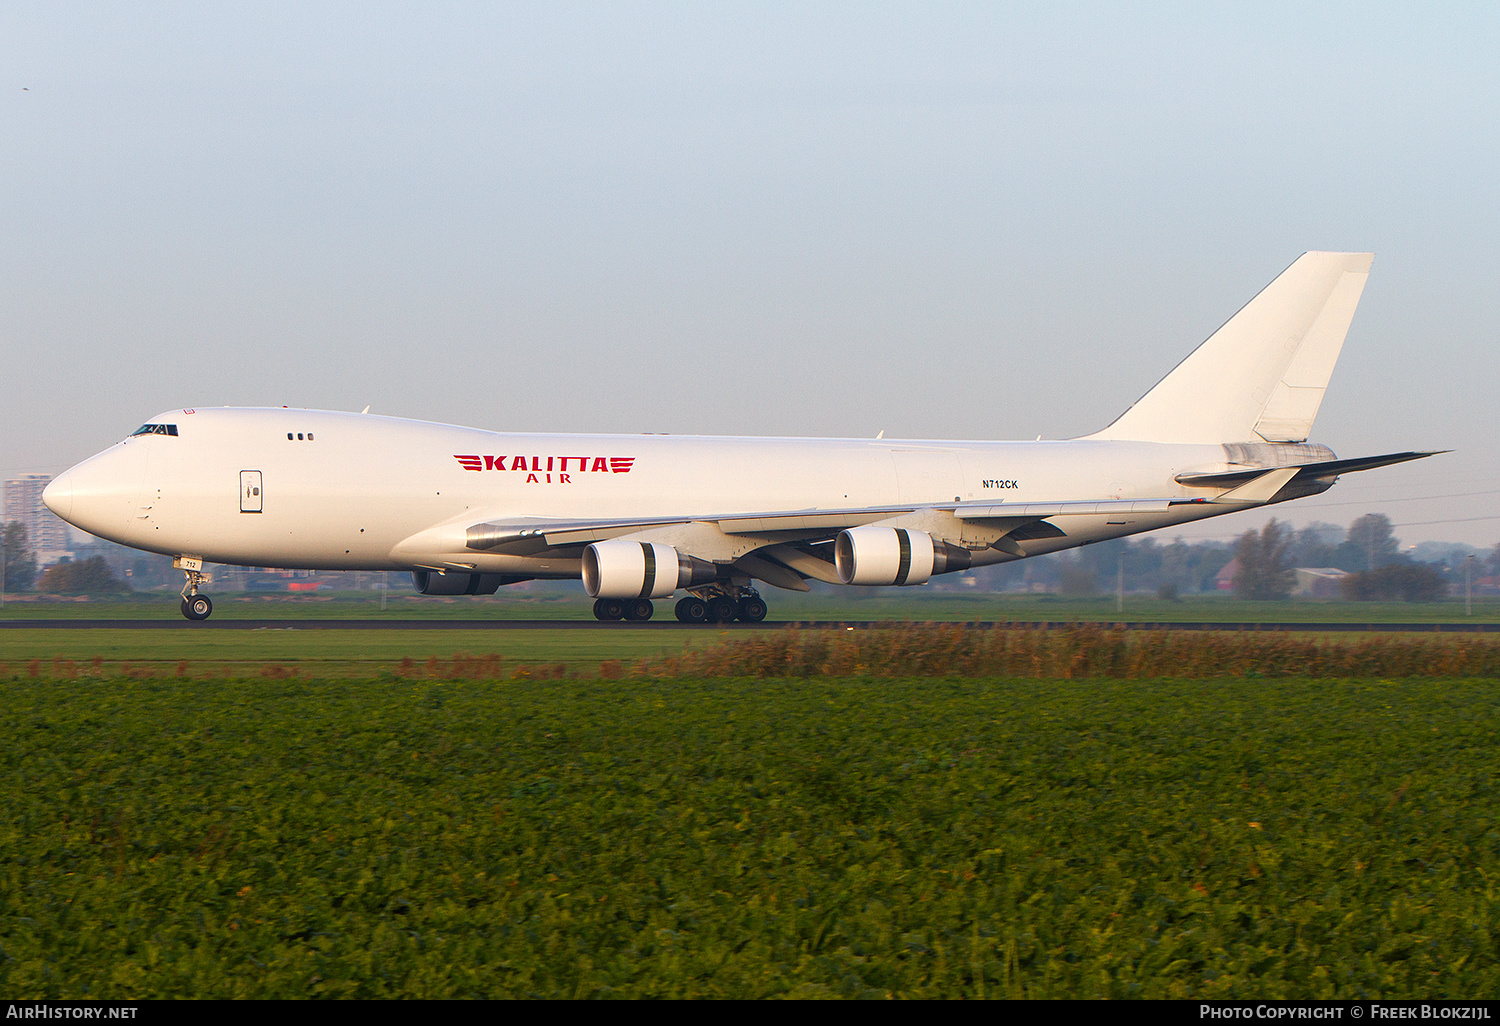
x=381, y=835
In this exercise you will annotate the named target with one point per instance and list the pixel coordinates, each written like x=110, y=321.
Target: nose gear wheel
x=194, y=605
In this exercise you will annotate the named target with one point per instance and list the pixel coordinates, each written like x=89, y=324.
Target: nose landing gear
x=194, y=605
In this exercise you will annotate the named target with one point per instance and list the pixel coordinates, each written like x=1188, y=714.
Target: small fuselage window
x=155, y=429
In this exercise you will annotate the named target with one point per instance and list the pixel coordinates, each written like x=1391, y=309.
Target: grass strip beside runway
x=893, y=604
x=106, y=653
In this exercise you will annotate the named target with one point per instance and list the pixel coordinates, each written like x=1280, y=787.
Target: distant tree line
x=1369, y=553
x=1406, y=582
x=1367, y=550
x=18, y=557
x=90, y=576
x=1266, y=570
x=1169, y=570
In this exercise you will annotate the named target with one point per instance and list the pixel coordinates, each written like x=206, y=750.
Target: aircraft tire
x=609, y=609
x=638, y=609
x=722, y=610
x=752, y=609
x=692, y=610
x=199, y=607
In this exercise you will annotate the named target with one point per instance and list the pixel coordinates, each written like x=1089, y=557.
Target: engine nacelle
x=879, y=556
x=430, y=582
x=630, y=569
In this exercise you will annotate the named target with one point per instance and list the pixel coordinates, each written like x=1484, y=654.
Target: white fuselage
x=357, y=492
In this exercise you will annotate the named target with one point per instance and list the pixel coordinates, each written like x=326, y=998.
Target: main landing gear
x=725, y=606
x=194, y=605
x=721, y=604
x=623, y=609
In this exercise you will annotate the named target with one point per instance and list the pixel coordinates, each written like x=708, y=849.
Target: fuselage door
x=250, y=497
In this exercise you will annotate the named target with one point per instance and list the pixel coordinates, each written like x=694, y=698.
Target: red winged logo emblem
x=549, y=464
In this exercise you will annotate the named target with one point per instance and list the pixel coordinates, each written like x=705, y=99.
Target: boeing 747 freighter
x=640, y=517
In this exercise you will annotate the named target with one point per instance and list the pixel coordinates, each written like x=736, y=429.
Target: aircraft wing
x=497, y=536
x=531, y=533
x=786, y=547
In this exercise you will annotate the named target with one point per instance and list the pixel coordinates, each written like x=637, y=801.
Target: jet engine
x=629, y=569
x=429, y=582
x=878, y=556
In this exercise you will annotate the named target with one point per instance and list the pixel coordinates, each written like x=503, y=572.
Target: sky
x=946, y=220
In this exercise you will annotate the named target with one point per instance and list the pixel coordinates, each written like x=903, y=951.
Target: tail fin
x=1261, y=376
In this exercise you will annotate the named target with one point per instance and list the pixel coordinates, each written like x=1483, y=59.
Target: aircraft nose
x=99, y=494
x=59, y=495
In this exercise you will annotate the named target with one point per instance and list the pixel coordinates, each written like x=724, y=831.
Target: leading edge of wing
x=557, y=533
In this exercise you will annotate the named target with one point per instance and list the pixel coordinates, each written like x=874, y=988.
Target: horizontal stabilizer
x=1322, y=468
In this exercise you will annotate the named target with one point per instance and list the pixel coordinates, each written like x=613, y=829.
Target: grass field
x=106, y=653
x=916, y=837
x=843, y=604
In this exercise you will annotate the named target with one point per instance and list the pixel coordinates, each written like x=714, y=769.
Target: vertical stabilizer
x=1261, y=376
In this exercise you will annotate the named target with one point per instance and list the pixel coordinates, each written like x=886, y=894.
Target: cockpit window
x=155, y=429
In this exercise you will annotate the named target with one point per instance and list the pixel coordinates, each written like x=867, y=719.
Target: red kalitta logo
x=543, y=469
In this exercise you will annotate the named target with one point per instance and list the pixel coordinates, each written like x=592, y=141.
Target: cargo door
x=250, y=497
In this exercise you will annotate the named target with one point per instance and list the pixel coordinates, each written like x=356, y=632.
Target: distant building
x=1319, y=581
x=44, y=531
x=1312, y=582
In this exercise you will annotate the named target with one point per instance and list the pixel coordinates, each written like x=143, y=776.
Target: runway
x=672, y=625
